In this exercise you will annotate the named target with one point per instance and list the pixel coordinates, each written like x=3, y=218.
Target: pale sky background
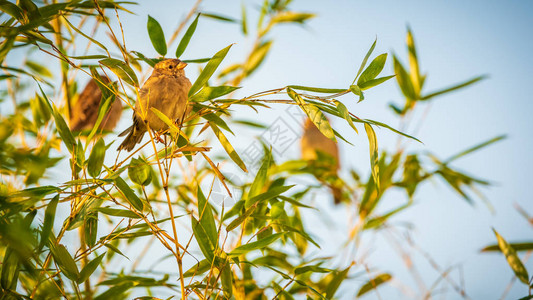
x=456, y=40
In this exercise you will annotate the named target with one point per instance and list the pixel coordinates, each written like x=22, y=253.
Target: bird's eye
x=170, y=67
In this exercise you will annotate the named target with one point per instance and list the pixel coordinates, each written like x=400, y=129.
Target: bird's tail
x=134, y=137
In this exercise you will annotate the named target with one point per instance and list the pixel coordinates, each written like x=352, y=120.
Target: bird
x=166, y=90
x=84, y=112
x=322, y=154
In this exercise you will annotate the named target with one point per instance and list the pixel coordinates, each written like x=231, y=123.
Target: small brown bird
x=85, y=111
x=166, y=90
x=323, y=156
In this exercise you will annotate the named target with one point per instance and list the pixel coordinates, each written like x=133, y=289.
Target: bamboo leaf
x=238, y=221
x=118, y=212
x=346, y=115
x=512, y=259
x=64, y=131
x=453, y=88
x=209, y=69
x=244, y=26
x=206, y=217
x=140, y=172
x=257, y=57
x=202, y=238
x=314, y=114
x=212, y=92
x=475, y=148
x=373, y=283
x=219, y=17
x=65, y=262
x=227, y=146
x=157, y=36
x=356, y=90
x=363, y=63
x=373, y=144
x=404, y=81
x=121, y=69
x=528, y=246
x=184, y=42
x=372, y=83
x=96, y=158
x=129, y=194
x=89, y=269
x=334, y=284
x=373, y=70
x=226, y=278
x=261, y=177
x=48, y=223
x=413, y=62
x=317, y=90
x=260, y=244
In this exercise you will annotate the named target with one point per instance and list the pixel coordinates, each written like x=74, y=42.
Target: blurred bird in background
x=84, y=112
x=322, y=155
x=166, y=90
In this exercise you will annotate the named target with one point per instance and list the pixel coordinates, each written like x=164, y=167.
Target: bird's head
x=173, y=67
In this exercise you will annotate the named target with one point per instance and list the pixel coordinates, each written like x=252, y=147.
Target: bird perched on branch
x=167, y=91
x=84, y=112
x=323, y=157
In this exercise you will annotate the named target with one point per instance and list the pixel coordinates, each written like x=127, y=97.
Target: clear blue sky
x=456, y=40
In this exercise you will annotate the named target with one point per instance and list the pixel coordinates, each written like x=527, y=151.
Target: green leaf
x=373, y=70
x=89, y=269
x=218, y=121
x=166, y=120
x=206, y=217
x=257, y=57
x=156, y=36
x=516, y=246
x=129, y=195
x=404, y=81
x=202, y=238
x=357, y=91
x=334, y=284
x=10, y=269
x=11, y=9
x=346, y=115
x=226, y=278
x=372, y=83
x=228, y=147
x=121, y=69
x=260, y=244
x=90, y=228
x=317, y=90
x=208, y=71
x=244, y=26
x=184, y=42
x=373, y=283
x=413, y=61
x=314, y=114
x=453, y=88
x=96, y=158
x=373, y=145
x=39, y=69
x=238, y=221
x=378, y=221
x=475, y=148
x=118, y=212
x=260, y=178
x=219, y=17
x=65, y=262
x=48, y=223
x=199, y=268
x=212, y=92
x=314, y=269
x=140, y=172
x=290, y=16
x=363, y=63
x=512, y=259
x=115, y=249
x=64, y=131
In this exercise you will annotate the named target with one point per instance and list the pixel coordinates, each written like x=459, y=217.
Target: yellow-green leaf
x=208, y=71
x=373, y=283
x=187, y=37
x=156, y=36
x=373, y=145
x=512, y=259
x=314, y=114
x=373, y=70
x=96, y=158
x=227, y=146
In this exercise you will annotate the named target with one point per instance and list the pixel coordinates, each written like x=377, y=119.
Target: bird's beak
x=181, y=65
